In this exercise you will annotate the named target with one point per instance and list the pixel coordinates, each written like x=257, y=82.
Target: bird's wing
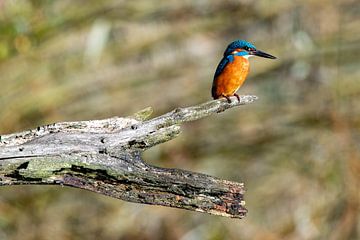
x=222, y=65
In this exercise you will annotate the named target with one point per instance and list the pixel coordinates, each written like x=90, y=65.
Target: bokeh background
x=296, y=149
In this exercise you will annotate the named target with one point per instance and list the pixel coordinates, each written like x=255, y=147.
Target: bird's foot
x=227, y=98
x=237, y=96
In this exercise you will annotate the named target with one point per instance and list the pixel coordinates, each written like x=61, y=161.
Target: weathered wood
x=104, y=156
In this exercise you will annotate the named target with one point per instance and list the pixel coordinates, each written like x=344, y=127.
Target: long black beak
x=262, y=54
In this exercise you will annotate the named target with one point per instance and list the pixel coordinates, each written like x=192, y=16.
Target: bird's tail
x=213, y=92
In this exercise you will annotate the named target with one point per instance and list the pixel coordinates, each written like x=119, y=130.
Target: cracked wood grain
x=104, y=156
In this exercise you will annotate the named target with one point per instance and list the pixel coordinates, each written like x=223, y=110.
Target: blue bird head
x=245, y=49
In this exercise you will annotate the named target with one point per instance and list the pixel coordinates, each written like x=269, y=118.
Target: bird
x=233, y=69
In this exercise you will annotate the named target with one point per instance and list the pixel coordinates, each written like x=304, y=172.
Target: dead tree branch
x=104, y=156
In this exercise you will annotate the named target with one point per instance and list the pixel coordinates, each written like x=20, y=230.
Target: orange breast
x=232, y=77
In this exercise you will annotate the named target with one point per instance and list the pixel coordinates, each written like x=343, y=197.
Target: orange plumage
x=231, y=78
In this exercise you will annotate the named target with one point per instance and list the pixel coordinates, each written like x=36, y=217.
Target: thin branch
x=104, y=156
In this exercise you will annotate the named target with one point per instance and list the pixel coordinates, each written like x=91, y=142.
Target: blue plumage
x=237, y=44
x=228, y=57
x=221, y=66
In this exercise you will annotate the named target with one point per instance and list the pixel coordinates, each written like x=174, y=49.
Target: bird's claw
x=227, y=98
x=237, y=96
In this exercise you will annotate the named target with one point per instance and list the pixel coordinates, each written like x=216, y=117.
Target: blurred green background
x=297, y=148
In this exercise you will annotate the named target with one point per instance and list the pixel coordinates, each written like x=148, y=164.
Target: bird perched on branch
x=233, y=69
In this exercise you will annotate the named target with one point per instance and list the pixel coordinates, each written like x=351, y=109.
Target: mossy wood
x=104, y=156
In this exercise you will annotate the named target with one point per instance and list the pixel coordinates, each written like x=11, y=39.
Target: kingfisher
x=233, y=69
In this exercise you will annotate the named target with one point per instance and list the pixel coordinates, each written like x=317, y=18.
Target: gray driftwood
x=104, y=156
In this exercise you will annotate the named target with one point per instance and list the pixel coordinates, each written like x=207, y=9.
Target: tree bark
x=104, y=156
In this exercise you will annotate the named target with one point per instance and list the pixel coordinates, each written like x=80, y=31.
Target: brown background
x=296, y=149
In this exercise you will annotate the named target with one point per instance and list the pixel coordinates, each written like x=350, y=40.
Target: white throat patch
x=247, y=56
